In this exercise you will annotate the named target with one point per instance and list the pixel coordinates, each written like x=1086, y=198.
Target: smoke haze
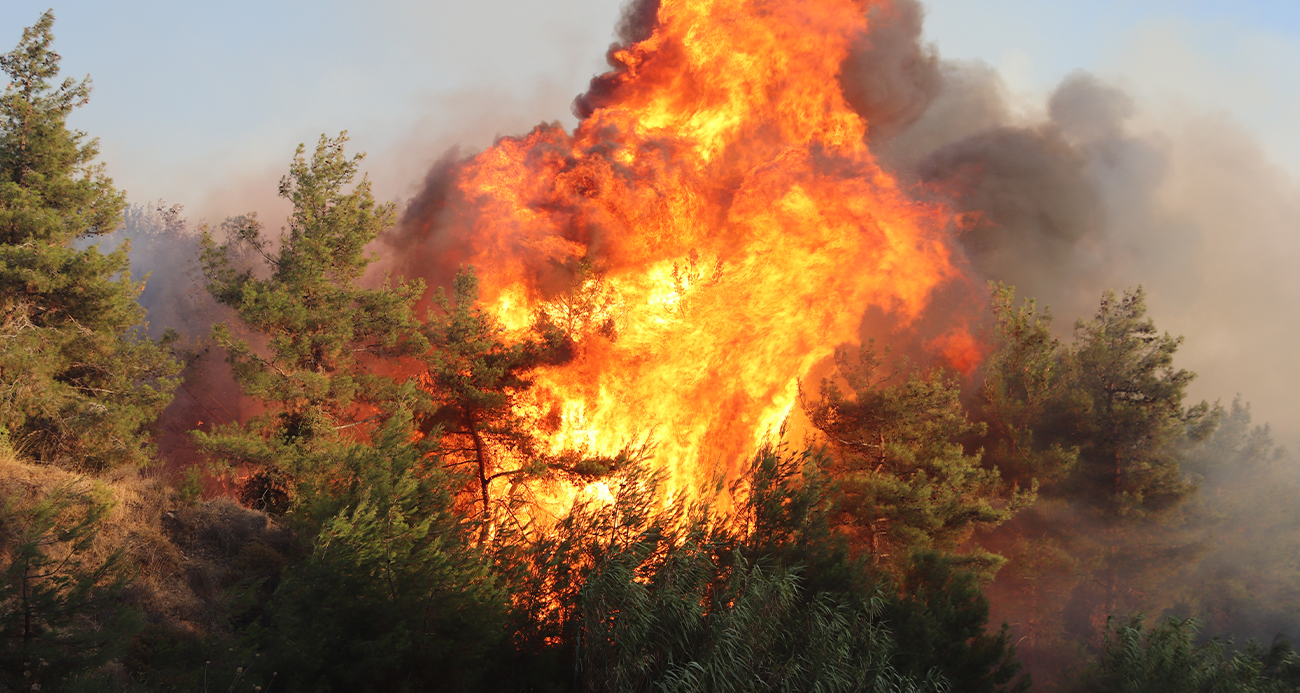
x=1097, y=192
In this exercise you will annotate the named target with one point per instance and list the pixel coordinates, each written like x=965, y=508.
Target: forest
x=320, y=474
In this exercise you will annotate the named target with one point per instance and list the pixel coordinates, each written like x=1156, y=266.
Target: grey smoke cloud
x=1101, y=192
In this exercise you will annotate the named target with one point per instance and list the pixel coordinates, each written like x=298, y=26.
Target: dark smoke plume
x=637, y=24
x=891, y=78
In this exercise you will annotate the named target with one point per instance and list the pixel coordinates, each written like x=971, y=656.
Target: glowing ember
x=713, y=228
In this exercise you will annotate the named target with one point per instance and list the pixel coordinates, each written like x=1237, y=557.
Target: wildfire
x=713, y=227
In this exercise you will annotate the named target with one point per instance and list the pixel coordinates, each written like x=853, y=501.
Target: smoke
x=890, y=77
x=636, y=25
x=1096, y=190
x=1100, y=192
x=164, y=254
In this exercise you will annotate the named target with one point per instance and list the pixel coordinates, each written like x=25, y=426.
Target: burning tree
x=475, y=375
x=720, y=187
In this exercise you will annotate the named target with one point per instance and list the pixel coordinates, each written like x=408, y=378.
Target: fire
x=713, y=227
x=959, y=349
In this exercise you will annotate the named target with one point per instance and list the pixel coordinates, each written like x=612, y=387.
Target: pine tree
x=61, y=612
x=392, y=596
x=1025, y=377
x=478, y=373
x=1128, y=416
x=80, y=383
x=1103, y=421
x=907, y=480
x=1245, y=585
x=323, y=373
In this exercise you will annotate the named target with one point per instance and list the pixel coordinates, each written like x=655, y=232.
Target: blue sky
x=199, y=103
x=1062, y=36
x=1240, y=58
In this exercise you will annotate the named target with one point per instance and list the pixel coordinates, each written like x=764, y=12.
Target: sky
x=202, y=104
x=197, y=103
x=1236, y=57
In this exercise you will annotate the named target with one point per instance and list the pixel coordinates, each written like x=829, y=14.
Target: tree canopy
x=315, y=339
x=80, y=383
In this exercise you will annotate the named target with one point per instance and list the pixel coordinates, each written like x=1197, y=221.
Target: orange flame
x=738, y=226
x=959, y=349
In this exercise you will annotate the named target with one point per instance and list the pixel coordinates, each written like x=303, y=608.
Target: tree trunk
x=481, y=457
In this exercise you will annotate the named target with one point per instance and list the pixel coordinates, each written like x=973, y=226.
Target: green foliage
x=1237, y=451
x=933, y=608
x=52, y=191
x=60, y=609
x=1126, y=412
x=80, y=383
x=1167, y=659
x=191, y=488
x=906, y=478
x=787, y=507
x=1025, y=378
x=640, y=597
x=1101, y=422
x=939, y=619
x=667, y=600
x=320, y=372
x=1246, y=583
x=392, y=597
x=476, y=374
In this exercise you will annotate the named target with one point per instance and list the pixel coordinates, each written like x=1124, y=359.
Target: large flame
x=724, y=224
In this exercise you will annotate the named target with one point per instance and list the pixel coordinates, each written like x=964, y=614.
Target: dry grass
x=181, y=556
